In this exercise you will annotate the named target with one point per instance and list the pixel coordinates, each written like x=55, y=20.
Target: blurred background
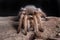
x=11, y=7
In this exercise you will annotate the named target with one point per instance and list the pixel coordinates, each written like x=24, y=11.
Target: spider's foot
x=18, y=32
x=24, y=32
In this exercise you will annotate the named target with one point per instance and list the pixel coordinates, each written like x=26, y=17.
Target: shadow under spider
x=50, y=39
x=15, y=22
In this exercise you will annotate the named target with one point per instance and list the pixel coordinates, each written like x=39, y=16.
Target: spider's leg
x=28, y=24
x=39, y=21
x=42, y=14
x=35, y=24
x=36, y=27
x=25, y=24
x=20, y=23
x=32, y=24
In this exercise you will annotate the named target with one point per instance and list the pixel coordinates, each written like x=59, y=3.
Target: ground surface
x=8, y=30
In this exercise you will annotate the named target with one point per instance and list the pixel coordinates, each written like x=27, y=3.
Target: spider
x=30, y=17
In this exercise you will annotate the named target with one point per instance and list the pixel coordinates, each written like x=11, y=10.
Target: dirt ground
x=8, y=29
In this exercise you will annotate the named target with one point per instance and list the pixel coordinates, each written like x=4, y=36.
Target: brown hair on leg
x=39, y=21
x=32, y=24
x=30, y=18
x=20, y=23
x=28, y=24
x=39, y=18
x=36, y=27
x=25, y=24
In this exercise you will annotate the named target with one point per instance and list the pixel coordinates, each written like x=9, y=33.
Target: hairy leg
x=20, y=23
x=41, y=12
x=28, y=24
x=25, y=23
x=35, y=24
x=32, y=24
x=36, y=29
x=39, y=21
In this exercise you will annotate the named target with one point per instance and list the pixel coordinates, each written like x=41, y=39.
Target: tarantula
x=30, y=17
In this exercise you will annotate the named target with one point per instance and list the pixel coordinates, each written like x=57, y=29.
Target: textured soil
x=8, y=29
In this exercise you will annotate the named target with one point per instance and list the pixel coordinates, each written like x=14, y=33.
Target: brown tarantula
x=30, y=17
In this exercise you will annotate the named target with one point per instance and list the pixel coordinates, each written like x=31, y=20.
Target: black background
x=11, y=7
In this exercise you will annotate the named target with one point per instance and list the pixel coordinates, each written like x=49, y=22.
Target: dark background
x=11, y=7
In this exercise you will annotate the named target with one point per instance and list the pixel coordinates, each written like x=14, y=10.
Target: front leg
x=36, y=27
x=38, y=15
x=32, y=24
x=20, y=23
x=35, y=24
x=25, y=23
x=28, y=24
